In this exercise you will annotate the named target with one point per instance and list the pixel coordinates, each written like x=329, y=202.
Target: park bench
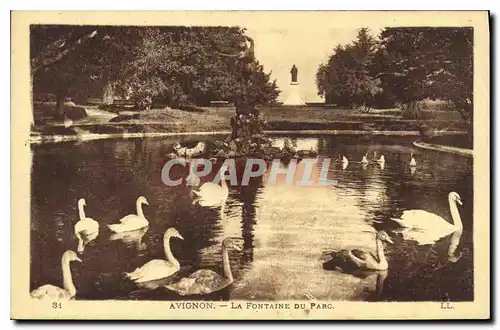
x=124, y=103
x=94, y=100
x=220, y=104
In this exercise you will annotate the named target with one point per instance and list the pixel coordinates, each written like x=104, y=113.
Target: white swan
x=345, y=162
x=132, y=221
x=198, y=150
x=52, y=292
x=413, y=163
x=86, y=229
x=364, y=160
x=381, y=160
x=158, y=268
x=205, y=281
x=67, y=121
x=426, y=227
x=211, y=194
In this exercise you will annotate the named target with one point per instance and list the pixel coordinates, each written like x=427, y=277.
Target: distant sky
x=305, y=45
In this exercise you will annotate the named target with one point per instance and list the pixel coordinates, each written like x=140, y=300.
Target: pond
x=287, y=231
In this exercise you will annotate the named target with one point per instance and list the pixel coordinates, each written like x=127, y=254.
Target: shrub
x=414, y=110
x=74, y=112
x=44, y=97
x=121, y=118
x=438, y=105
x=190, y=108
x=44, y=111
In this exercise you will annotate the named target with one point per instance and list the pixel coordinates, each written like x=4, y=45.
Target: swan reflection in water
x=85, y=239
x=413, y=170
x=279, y=249
x=131, y=238
x=454, y=242
x=372, y=279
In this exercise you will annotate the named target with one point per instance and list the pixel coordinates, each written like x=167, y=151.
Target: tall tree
x=182, y=65
x=419, y=63
x=74, y=59
x=347, y=79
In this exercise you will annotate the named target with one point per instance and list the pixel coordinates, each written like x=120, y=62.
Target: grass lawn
x=279, y=118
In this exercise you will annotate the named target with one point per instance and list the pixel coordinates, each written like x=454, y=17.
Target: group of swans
x=87, y=229
x=200, y=282
x=203, y=281
x=417, y=225
x=380, y=160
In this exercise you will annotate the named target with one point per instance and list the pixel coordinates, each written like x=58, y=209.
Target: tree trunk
x=32, y=100
x=411, y=110
x=108, y=93
x=59, y=111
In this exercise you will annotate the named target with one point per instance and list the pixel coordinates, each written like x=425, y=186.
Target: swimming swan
x=360, y=259
x=52, y=292
x=132, y=221
x=206, y=281
x=413, y=163
x=345, y=162
x=430, y=225
x=67, y=121
x=211, y=194
x=381, y=160
x=158, y=268
x=86, y=229
x=364, y=160
x=198, y=150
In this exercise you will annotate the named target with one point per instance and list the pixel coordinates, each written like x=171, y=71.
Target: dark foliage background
x=171, y=65
x=400, y=68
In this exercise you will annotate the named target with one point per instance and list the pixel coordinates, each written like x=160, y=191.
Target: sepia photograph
x=245, y=165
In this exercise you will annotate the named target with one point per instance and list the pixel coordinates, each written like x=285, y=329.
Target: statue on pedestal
x=294, y=97
x=294, y=71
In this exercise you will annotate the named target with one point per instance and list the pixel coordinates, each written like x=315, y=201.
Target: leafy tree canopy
x=179, y=65
x=405, y=65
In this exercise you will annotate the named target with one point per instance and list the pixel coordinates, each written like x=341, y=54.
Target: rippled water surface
x=287, y=231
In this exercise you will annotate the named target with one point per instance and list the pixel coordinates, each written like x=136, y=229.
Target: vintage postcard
x=250, y=165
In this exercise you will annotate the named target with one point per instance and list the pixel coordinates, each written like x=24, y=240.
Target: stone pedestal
x=293, y=97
